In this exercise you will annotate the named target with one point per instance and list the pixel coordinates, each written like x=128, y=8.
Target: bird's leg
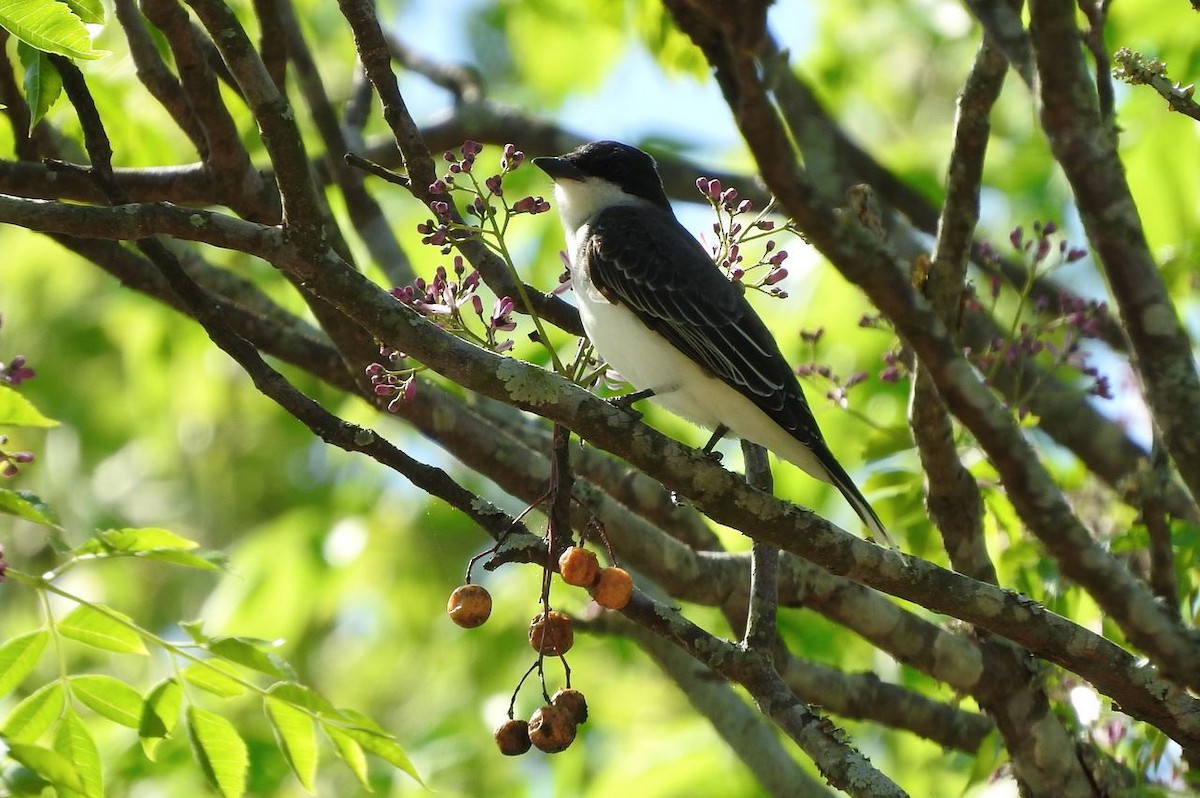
x=720, y=432
x=626, y=402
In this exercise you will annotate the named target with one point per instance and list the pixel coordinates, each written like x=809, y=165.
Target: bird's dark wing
x=665, y=277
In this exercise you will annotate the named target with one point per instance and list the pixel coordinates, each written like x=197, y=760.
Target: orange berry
x=579, y=567
x=573, y=703
x=512, y=737
x=613, y=589
x=551, y=729
x=469, y=606
x=551, y=633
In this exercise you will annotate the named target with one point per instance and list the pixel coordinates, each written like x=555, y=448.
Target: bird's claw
x=626, y=403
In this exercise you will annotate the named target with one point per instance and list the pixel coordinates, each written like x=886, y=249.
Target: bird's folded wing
x=666, y=278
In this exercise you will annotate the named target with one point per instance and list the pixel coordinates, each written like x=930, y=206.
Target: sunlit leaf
x=19, y=656
x=350, y=752
x=50, y=765
x=90, y=11
x=250, y=654
x=210, y=676
x=159, y=715
x=134, y=539
x=100, y=628
x=195, y=630
x=42, y=84
x=297, y=738
x=299, y=695
x=75, y=743
x=50, y=26
x=151, y=543
x=220, y=751
x=15, y=409
x=24, y=504
x=109, y=697
x=203, y=561
x=30, y=718
x=375, y=740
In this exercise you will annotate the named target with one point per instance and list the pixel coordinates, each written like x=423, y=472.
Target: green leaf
x=250, y=654
x=299, y=695
x=49, y=26
x=90, y=11
x=350, y=752
x=109, y=697
x=19, y=656
x=24, y=504
x=30, y=718
x=375, y=740
x=195, y=630
x=75, y=743
x=43, y=84
x=210, y=677
x=220, y=751
x=297, y=739
x=15, y=409
x=96, y=626
x=151, y=543
x=50, y=765
x=135, y=539
x=160, y=713
x=202, y=561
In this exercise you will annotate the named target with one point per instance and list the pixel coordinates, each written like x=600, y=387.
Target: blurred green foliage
x=349, y=566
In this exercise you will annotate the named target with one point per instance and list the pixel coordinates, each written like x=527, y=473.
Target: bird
x=660, y=312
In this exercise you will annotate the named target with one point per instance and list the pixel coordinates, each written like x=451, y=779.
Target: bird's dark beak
x=559, y=168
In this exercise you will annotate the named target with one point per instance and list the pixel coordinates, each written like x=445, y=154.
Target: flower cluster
x=9, y=461
x=16, y=371
x=1057, y=340
x=13, y=373
x=484, y=201
x=733, y=234
x=815, y=372
x=449, y=300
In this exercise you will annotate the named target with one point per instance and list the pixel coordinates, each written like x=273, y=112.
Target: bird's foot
x=709, y=448
x=626, y=402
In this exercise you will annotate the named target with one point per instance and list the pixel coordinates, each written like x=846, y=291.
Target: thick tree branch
x=839, y=763
x=1085, y=146
x=863, y=261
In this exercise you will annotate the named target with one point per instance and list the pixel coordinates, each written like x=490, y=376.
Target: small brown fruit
x=551, y=633
x=469, y=606
x=512, y=737
x=551, y=729
x=613, y=589
x=573, y=703
x=579, y=567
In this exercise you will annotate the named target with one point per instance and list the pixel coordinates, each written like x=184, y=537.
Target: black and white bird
x=662, y=314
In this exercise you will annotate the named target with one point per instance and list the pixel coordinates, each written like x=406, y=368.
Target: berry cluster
x=733, y=234
x=552, y=727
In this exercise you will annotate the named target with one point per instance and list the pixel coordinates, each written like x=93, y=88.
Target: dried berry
x=573, y=703
x=613, y=589
x=551, y=729
x=512, y=737
x=469, y=606
x=551, y=633
x=579, y=567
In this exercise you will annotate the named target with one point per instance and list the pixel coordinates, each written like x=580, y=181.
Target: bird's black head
x=628, y=168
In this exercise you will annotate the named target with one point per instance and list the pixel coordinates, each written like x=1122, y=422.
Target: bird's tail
x=841, y=480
